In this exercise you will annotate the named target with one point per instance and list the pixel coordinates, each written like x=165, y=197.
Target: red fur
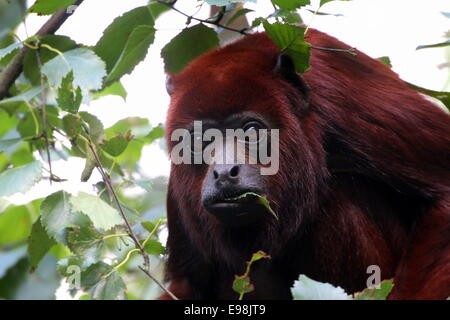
x=364, y=177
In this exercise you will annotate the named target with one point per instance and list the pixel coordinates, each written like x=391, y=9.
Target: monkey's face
x=232, y=141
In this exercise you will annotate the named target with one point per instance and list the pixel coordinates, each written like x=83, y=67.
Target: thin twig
x=159, y=284
x=15, y=66
x=211, y=22
x=44, y=114
x=351, y=51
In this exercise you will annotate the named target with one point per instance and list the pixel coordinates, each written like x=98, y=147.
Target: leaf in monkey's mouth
x=251, y=197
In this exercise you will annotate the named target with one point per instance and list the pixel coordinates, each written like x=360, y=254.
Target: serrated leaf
x=442, y=96
x=307, y=289
x=71, y=125
x=31, y=68
x=374, y=293
x=188, y=45
x=242, y=285
x=92, y=275
x=102, y=215
x=290, y=39
x=46, y=7
x=126, y=40
x=56, y=215
x=115, y=146
x=148, y=225
x=96, y=129
x=88, y=69
x=111, y=287
x=154, y=247
x=5, y=51
x=39, y=243
x=20, y=179
x=69, y=99
x=115, y=89
x=82, y=238
x=290, y=4
x=134, y=52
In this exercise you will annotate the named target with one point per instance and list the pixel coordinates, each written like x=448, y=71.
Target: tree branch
x=215, y=22
x=15, y=66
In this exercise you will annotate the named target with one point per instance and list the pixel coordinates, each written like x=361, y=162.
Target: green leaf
x=187, y=45
x=386, y=61
x=262, y=200
x=39, y=243
x=289, y=16
x=154, y=247
x=94, y=274
x=307, y=289
x=9, y=258
x=102, y=215
x=290, y=39
x=222, y=3
x=6, y=144
x=290, y=4
x=82, y=238
x=22, y=218
x=115, y=89
x=126, y=40
x=56, y=215
x=156, y=133
x=139, y=127
x=110, y=288
x=71, y=125
x=23, y=97
x=146, y=185
x=46, y=7
x=89, y=166
x=5, y=51
x=134, y=52
x=374, y=293
x=20, y=179
x=69, y=99
x=442, y=96
x=11, y=14
x=88, y=69
x=258, y=256
x=31, y=68
x=148, y=225
x=435, y=45
x=96, y=129
x=322, y=2
x=238, y=14
x=116, y=145
x=242, y=285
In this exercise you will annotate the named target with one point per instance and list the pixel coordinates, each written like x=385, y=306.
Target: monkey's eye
x=197, y=143
x=254, y=132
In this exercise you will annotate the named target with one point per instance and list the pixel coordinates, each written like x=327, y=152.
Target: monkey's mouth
x=240, y=210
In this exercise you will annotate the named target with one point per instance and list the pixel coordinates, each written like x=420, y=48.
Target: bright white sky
x=391, y=28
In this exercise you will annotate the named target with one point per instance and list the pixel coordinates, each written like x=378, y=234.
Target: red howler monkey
x=363, y=179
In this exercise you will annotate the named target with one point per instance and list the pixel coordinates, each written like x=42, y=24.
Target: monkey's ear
x=170, y=85
x=285, y=67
